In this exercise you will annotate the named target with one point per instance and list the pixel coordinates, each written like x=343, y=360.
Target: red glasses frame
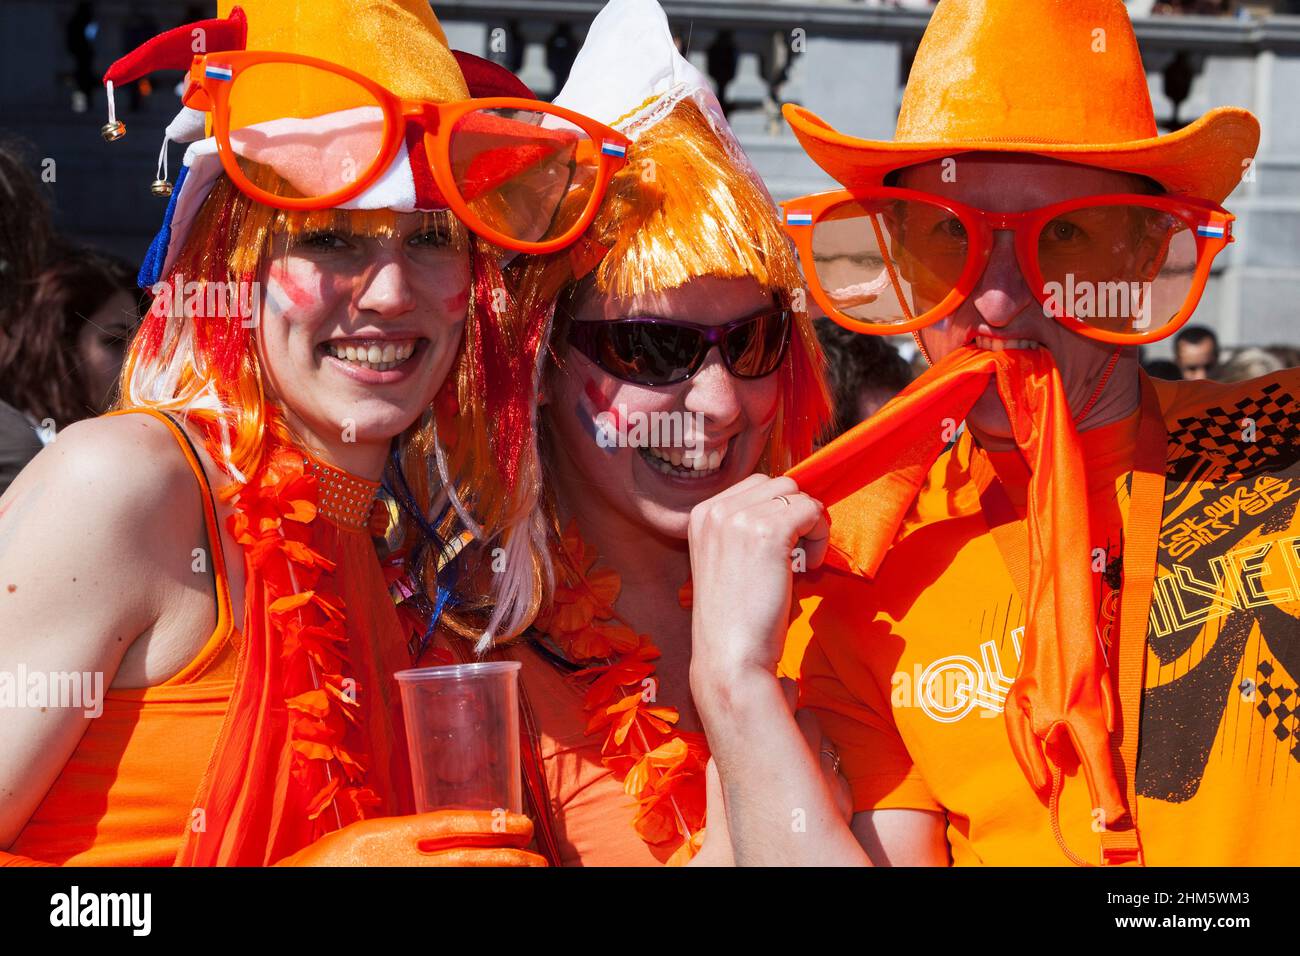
x=1210, y=225
x=210, y=92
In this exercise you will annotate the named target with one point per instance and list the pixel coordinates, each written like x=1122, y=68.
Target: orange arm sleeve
x=9, y=859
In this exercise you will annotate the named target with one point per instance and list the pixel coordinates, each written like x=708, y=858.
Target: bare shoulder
x=111, y=470
x=101, y=518
x=92, y=534
x=115, y=494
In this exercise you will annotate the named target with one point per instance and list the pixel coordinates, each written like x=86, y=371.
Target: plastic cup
x=462, y=732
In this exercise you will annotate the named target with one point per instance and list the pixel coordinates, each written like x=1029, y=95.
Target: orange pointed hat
x=1056, y=78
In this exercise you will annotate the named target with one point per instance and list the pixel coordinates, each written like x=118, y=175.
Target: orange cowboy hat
x=1056, y=78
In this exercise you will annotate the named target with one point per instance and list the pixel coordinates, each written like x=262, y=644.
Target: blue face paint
x=594, y=429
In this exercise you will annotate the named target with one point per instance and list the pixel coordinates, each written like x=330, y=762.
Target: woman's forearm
x=779, y=809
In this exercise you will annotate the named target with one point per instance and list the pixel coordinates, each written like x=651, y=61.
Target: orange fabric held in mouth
x=869, y=479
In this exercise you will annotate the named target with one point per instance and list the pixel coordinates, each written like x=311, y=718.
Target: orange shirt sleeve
x=11, y=859
x=829, y=647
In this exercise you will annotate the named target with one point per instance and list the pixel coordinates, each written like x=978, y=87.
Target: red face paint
x=598, y=401
x=458, y=302
x=589, y=417
x=283, y=291
x=295, y=293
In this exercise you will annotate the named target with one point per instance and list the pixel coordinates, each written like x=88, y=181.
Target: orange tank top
x=593, y=815
x=126, y=795
x=586, y=806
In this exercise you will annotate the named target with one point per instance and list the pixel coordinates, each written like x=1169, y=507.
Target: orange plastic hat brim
x=1205, y=159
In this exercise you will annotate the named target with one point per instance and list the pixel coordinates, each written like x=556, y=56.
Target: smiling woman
x=679, y=360
x=209, y=548
x=331, y=285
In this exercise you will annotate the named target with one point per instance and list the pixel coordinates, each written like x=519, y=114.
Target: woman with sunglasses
x=202, y=569
x=680, y=361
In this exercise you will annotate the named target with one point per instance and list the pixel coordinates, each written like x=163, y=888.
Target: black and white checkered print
x=1281, y=703
x=1220, y=436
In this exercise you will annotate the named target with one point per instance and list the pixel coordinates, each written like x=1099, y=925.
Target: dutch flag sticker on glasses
x=798, y=218
x=613, y=149
x=1210, y=231
x=215, y=72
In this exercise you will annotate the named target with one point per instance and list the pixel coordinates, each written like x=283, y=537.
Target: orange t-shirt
x=908, y=671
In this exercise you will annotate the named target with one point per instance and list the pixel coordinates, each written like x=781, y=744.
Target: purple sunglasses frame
x=584, y=336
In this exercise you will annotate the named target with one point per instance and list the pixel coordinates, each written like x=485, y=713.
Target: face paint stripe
x=293, y=291
x=458, y=302
x=590, y=426
x=599, y=402
x=591, y=405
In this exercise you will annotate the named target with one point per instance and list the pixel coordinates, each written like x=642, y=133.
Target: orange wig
x=683, y=207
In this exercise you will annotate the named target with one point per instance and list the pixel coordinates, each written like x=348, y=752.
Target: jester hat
x=396, y=43
x=688, y=204
x=630, y=75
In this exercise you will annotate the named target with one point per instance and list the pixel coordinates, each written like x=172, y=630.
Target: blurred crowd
x=66, y=315
x=1197, y=355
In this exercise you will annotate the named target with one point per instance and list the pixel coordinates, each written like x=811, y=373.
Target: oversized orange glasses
x=1120, y=268
x=523, y=174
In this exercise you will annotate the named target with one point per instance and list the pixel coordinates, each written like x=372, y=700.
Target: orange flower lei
x=274, y=521
x=661, y=769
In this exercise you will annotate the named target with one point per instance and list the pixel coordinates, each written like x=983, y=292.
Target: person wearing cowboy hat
x=1073, y=637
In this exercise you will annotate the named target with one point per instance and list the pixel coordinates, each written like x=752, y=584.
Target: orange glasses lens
x=527, y=175
x=888, y=261
x=304, y=132
x=1121, y=268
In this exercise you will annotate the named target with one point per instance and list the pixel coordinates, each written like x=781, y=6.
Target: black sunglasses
x=653, y=351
